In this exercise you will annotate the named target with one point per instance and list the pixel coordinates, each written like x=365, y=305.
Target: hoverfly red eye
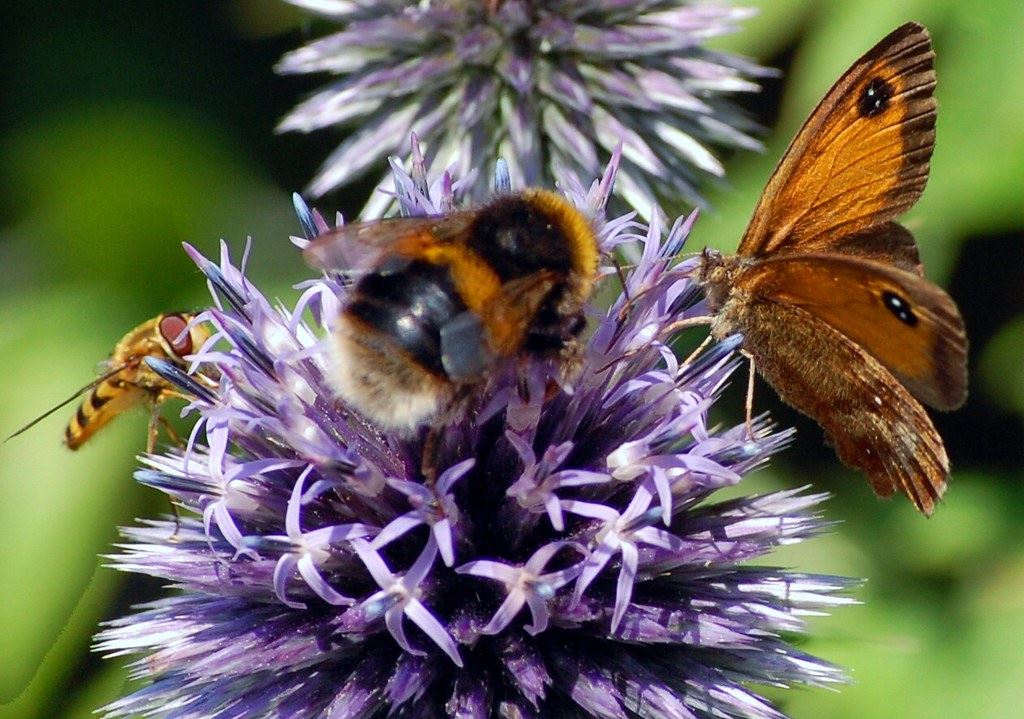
x=172, y=328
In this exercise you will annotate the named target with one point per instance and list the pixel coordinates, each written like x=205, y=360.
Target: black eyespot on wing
x=874, y=98
x=899, y=307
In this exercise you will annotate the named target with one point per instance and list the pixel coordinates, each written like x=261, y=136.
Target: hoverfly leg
x=156, y=420
x=170, y=432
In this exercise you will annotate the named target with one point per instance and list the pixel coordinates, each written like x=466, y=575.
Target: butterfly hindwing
x=872, y=420
x=908, y=324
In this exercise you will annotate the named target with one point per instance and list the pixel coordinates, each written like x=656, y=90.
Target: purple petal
x=442, y=532
x=422, y=565
x=315, y=580
x=373, y=562
x=396, y=528
x=433, y=629
x=393, y=621
x=282, y=572
x=514, y=601
x=624, y=585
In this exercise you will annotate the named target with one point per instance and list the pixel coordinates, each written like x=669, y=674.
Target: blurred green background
x=127, y=128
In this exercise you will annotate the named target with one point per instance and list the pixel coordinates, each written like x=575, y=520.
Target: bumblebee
x=128, y=382
x=442, y=301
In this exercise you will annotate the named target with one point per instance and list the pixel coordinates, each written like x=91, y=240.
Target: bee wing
x=78, y=393
x=355, y=247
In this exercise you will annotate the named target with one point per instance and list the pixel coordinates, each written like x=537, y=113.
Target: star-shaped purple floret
x=526, y=585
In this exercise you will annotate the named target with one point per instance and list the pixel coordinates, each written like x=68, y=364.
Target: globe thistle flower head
x=542, y=84
x=570, y=559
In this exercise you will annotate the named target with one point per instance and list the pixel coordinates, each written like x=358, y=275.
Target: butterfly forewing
x=891, y=244
x=862, y=157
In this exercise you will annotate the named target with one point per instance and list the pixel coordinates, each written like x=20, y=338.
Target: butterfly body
x=828, y=290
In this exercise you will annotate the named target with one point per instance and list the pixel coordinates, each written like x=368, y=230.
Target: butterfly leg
x=700, y=348
x=687, y=322
x=750, y=394
x=669, y=329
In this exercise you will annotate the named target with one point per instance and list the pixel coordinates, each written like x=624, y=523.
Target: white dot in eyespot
x=878, y=400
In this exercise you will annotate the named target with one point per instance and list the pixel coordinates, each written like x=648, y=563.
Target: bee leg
x=428, y=460
x=435, y=433
x=628, y=307
x=750, y=394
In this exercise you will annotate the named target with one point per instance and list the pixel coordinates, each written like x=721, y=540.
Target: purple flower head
x=571, y=560
x=547, y=85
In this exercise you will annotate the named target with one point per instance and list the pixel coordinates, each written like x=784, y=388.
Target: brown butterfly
x=828, y=290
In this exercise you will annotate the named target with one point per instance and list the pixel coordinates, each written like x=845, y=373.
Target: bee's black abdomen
x=517, y=238
x=408, y=301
